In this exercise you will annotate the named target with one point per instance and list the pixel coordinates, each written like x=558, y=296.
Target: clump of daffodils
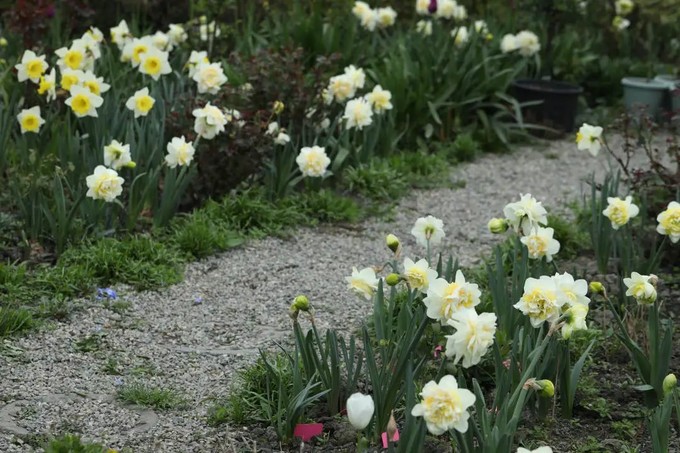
x=359, y=111
x=525, y=214
x=371, y=19
x=556, y=299
x=444, y=406
x=526, y=43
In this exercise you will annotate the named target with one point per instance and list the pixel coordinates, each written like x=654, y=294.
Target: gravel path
x=165, y=338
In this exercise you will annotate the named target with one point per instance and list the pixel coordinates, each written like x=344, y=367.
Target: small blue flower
x=198, y=300
x=118, y=381
x=106, y=293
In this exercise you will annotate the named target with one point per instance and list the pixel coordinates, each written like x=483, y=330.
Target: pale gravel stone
x=246, y=292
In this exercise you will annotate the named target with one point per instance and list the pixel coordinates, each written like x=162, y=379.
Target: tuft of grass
x=198, y=236
x=15, y=320
x=146, y=395
x=70, y=443
x=138, y=261
x=327, y=206
x=90, y=343
x=377, y=180
x=421, y=169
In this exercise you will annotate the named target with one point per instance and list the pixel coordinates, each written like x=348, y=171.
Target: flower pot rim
x=643, y=82
x=548, y=86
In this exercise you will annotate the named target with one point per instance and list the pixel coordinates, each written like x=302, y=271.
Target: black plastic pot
x=558, y=102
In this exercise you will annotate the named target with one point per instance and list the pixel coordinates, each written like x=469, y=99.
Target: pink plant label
x=307, y=431
x=394, y=438
x=437, y=350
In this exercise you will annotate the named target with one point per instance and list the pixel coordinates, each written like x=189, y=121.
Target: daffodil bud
x=596, y=288
x=360, y=410
x=391, y=428
x=278, y=107
x=293, y=311
x=546, y=388
x=392, y=279
x=384, y=343
x=3, y=42
x=301, y=303
x=131, y=164
x=392, y=242
x=669, y=383
x=498, y=226
x=203, y=19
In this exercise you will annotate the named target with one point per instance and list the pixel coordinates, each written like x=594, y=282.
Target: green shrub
x=70, y=443
x=377, y=180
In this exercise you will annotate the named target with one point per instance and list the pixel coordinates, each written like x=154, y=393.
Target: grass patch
x=138, y=261
x=377, y=180
x=15, y=320
x=70, y=443
x=198, y=236
x=421, y=170
x=146, y=395
x=327, y=206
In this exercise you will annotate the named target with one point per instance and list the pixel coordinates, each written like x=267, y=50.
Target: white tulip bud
x=360, y=409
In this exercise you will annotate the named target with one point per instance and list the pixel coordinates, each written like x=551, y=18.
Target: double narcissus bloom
x=444, y=406
x=117, y=155
x=340, y=88
x=473, y=337
x=358, y=114
x=445, y=299
x=387, y=16
x=176, y=34
x=540, y=301
x=379, y=99
x=641, y=288
x=104, y=184
x=282, y=139
x=428, y=230
x=30, y=120
x=364, y=283
x=620, y=23
x=537, y=450
x=313, y=161
x=418, y=274
x=540, y=243
x=31, y=67
x=669, y=222
x=449, y=9
x=140, y=102
x=526, y=42
x=525, y=214
x=209, y=122
x=366, y=15
x=209, y=77
x=180, y=152
x=619, y=211
x=589, y=138
x=574, y=319
x=83, y=102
